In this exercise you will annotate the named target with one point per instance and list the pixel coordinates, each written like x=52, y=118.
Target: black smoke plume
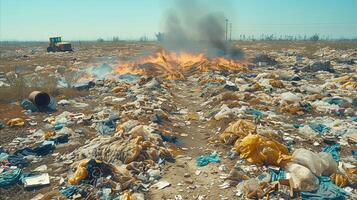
x=194, y=26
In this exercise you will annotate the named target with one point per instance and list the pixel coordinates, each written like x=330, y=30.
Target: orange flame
x=173, y=66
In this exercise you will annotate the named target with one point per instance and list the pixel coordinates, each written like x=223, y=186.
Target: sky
x=36, y=20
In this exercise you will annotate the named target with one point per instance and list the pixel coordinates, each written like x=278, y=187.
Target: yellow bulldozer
x=56, y=45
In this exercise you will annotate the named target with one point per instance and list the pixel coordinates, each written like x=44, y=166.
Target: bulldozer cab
x=57, y=45
x=54, y=40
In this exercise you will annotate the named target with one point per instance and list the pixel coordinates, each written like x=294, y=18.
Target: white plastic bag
x=301, y=178
x=319, y=163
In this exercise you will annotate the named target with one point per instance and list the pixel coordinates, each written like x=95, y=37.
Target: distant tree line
x=273, y=37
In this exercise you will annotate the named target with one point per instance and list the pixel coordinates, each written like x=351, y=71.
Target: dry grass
x=308, y=47
x=20, y=89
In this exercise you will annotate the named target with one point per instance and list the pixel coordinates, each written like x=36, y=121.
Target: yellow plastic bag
x=277, y=83
x=352, y=174
x=50, y=120
x=260, y=150
x=239, y=129
x=16, y=122
x=290, y=108
x=127, y=196
x=192, y=116
x=257, y=87
x=80, y=174
x=120, y=88
x=350, y=85
x=49, y=134
x=340, y=180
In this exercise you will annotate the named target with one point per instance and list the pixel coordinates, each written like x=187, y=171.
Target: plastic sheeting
x=261, y=150
x=138, y=145
x=326, y=191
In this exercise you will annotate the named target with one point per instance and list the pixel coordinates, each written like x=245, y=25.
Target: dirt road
x=187, y=180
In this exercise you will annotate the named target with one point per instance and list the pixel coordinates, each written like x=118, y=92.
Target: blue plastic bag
x=256, y=113
x=69, y=191
x=9, y=177
x=319, y=128
x=334, y=150
x=277, y=175
x=205, y=160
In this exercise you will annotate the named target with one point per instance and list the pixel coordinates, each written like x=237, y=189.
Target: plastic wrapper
x=16, y=122
x=251, y=188
x=49, y=134
x=290, y=97
x=277, y=83
x=339, y=179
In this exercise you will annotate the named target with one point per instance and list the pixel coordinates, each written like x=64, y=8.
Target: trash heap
x=283, y=128
x=293, y=122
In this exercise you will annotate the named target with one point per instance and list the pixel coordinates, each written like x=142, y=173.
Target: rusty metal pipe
x=40, y=98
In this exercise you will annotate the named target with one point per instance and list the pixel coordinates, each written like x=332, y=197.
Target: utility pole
x=226, y=29
x=230, y=33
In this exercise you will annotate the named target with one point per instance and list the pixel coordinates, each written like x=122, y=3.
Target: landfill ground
x=151, y=128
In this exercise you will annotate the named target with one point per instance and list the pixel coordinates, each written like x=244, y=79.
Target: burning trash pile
x=175, y=66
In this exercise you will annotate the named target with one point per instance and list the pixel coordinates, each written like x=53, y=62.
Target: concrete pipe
x=40, y=99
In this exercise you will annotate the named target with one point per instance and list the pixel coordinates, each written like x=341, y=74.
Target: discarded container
x=40, y=99
x=37, y=180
